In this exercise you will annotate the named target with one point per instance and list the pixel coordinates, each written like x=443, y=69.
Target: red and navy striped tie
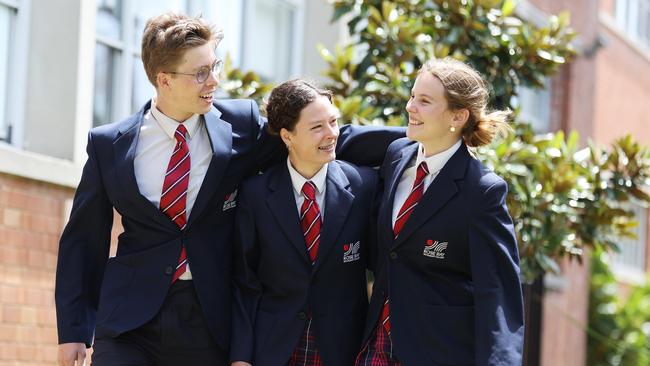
x=404, y=212
x=174, y=191
x=310, y=220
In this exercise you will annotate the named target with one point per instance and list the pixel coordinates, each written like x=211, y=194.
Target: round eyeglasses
x=204, y=72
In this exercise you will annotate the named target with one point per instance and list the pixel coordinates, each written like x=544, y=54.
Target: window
x=535, y=106
x=633, y=16
x=631, y=258
x=8, y=16
x=271, y=36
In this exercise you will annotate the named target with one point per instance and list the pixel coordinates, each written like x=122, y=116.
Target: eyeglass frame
x=217, y=65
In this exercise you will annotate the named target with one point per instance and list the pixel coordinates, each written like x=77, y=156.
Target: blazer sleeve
x=366, y=145
x=498, y=301
x=247, y=289
x=83, y=252
x=270, y=149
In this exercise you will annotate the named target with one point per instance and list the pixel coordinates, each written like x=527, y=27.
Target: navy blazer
x=112, y=296
x=276, y=286
x=453, y=272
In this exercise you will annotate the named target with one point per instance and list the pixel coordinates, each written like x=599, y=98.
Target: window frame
x=633, y=272
x=122, y=78
x=628, y=15
x=296, y=42
x=540, y=124
x=14, y=116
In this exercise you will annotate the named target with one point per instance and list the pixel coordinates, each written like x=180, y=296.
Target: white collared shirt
x=298, y=181
x=435, y=163
x=156, y=143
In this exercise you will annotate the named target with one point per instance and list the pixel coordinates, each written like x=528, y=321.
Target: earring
x=452, y=129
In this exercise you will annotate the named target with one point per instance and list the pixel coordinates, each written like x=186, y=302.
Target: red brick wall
x=564, y=317
x=32, y=215
x=31, y=218
x=565, y=310
x=622, y=91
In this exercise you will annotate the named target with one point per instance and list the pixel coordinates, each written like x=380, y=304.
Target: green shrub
x=619, y=333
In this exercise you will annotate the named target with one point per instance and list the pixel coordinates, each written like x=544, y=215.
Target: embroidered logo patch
x=229, y=202
x=435, y=249
x=351, y=252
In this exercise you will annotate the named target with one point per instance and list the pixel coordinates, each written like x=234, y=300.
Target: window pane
x=142, y=88
x=105, y=71
x=146, y=9
x=109, y=18
x=6, y=18
x=269, y=36
x=535, y=107
x=632, y=254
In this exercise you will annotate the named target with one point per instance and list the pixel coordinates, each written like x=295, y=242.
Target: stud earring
x=452, y=129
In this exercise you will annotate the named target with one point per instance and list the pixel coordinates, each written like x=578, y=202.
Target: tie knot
x=422, y=171
x=309, y=190
x=181, y=133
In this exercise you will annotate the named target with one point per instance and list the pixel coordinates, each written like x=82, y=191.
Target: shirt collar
x=298, y=180
x=169, y=125
x=437, y=161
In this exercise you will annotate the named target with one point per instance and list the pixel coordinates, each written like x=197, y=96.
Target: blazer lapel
x=398, y=167
x=441, y=190
x=338, y=201
x=124, y=148
x=220, y=134
x=282, y=204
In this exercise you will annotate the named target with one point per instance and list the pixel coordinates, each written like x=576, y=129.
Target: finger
x=81, y=357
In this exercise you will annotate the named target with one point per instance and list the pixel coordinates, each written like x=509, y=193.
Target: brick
x=8, y=352
x=19, y=314
x=4, y=196
x=13, y=237
x=11, y=217
x=12, y=294
x=46, y=316
x=19, y=200
x=28, y=334
x=38, y=297
x=33, y=202
x=20, y=276
x=26, y=352
x=36, y=258
x=41, y=223
x=8, y=333
x=13, y=255
x=11, y=314
x=50, y=261
x=47, y=335
x=49, y=352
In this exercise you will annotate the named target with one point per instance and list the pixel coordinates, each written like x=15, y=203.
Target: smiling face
x=430, y=119
x=181, y=96
x=312, y=141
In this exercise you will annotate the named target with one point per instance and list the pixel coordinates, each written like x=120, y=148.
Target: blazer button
x=302, y=315
x=393, y=255
x=169, y=270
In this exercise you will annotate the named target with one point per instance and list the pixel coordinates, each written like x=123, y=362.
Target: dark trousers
x=177, y=335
